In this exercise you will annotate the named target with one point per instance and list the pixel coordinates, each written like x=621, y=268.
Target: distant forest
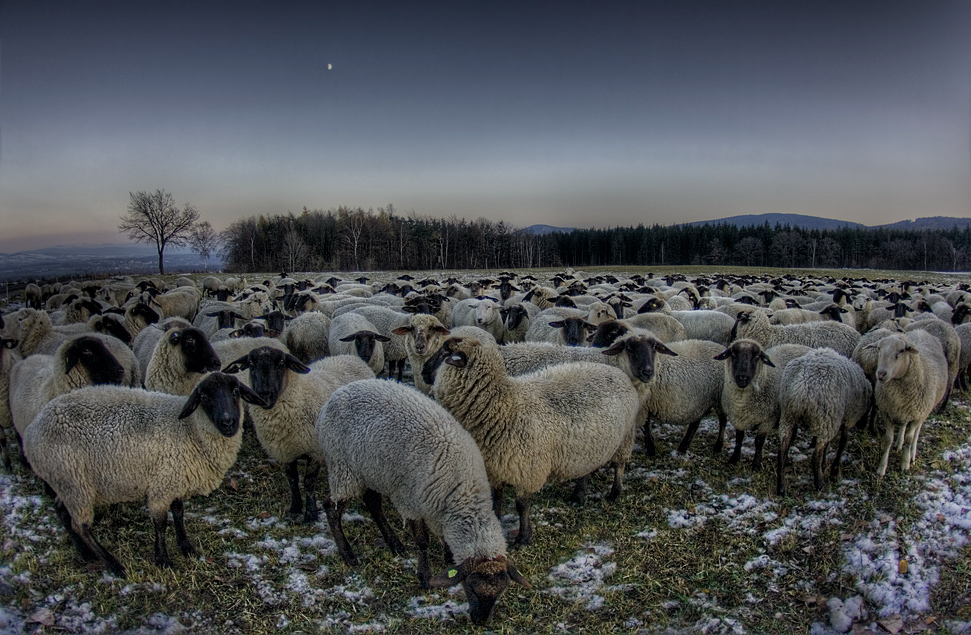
x=357, y=240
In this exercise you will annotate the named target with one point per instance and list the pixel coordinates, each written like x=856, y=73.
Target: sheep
x=306, y=337
x=180, y=302
x=8, y=358
x=825, y=393
x=911, y=380
x=144, y=343
x=679, y=390
x=526, y=357
x=750, y=395
x=964, y=334
x=33, y=296
x=180, y=358
x=79, y=362
x=110, y=444
x=294, y=394
x=36, y=333
x=354, y=327
x=386, y=320
x=703, y=325
x=560, y=325
x=381, y=438
x=562, y=422
x=754, y=325
x=423, y=337
x=517, y=317
x=80, y=311
x=665, y=327
x=430, y=367
x=951, y=346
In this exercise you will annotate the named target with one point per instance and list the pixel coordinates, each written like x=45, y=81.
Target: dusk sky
x=570, y=114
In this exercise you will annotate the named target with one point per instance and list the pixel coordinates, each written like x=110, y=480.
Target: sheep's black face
x=92, y=354
x=651, y=306
x=145, y=312
x=745, y=359
x=482, y=590
x=114, y=328
x=641, y=357
x=515, y=316
x=607, y=333
x=267, y=371
x=574, y=330
x=430, y=368
x=275, y=321
x=197, y=353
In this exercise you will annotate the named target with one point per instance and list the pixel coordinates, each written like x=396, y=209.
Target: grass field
x=693, y=545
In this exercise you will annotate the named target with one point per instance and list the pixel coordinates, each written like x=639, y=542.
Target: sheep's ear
x=296, y=365
x=664, y=350
x=459, y=360
x=409, y=309
x=381, y=338
x=235, y=366
x=590, y=327
x=403, y=330
x=516, y=576
x=213, y=314
x=10, y=343
x=441, y=329
x=557, y=325
x=175, y=337
x=449, y=577
x=615, y=349
x=725, y=354
x=349, y=338
x=765, y=360
x=190, y=404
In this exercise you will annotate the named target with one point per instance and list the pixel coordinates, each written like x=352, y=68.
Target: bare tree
x=204, y=241
x=155, y=219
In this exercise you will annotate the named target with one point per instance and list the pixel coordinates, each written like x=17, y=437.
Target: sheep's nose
x=881, y=375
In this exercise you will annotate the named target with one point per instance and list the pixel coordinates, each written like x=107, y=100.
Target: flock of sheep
x=124, y=392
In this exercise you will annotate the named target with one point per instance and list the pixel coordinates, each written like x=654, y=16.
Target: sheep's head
x=252, y=329
x=641, y=351
x=144, y=312
x=219, y=396
x=485, y=311
x=833, y=312
x=653, y=305
x=607, y=333
x=745, y=357
x=94, y=357
x=365, y=342
x=225, y=318
x=743, y=318
x=423, y=330
x=574, y=330
x=514, y=315
x=112, y=326
x=894, y=357
x=197, y=353
x=430, y=367
x=483, y=580
x=961, y=314
x=267, y=371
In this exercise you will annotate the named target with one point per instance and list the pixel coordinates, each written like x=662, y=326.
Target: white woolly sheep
x=294, y=394
x=703, y=325
x=826, y=394
x=109, y=444
x=36, y=333
x=562, y=422
x=8, y=358
x=306, y=336
x=560, y=325
x=180, y=302
x=381, y=438
x=911, y=381
x=750, y=396
x=423, y=337
x=950, y=345
x=144, y=343
x=386, y=320
x=181, y=357
x=352, y=334
x=79, y=362
x=754, y=325
x=517, y=318
x=680, y=386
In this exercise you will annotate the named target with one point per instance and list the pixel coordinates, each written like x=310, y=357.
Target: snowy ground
x=892, y=566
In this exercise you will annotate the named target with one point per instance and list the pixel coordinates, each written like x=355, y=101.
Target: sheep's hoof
x=311, y=517
x=164, y=563
x=614, y=493
x=187, y=548
x=756, y=466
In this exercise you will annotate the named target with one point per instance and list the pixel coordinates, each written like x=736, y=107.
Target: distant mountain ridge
x=106, y=258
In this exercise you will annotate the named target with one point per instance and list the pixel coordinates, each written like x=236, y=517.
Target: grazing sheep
x=352, y=334
x=754, y=325
x=33, y=296
x=306, y=337
x=750, y=396
x=8, y=358
x=181, y=357
x=911, y=380
x=826, y=394
x=562, y=422
x=680, y=387
x=110, y=444
x=381, y=438
x=294, y=394
x=79, y=362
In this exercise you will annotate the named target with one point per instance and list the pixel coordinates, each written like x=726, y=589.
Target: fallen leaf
x=892, y=624
x=231, y=484
x=846, y=537
x=902, y=567
x=808, y=550
x=931, y=619
x=42, y=616
x=264, y=514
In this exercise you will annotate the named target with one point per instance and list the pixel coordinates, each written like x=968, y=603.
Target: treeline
x=348, y=239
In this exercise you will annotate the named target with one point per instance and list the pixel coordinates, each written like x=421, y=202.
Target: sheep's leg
x=310, y=512
x=834, y=469
x=759, y=445
x=178, y=519
x=644, y=417
x=401, y=368
x=910, y=445
x=580, y=490
x=784, y=443
x=84, y=532
x=334, y=513
x=497, y=493
x=689, y=434
x=913, y=447
x=525, y=526
x=737, y=454
x=372, y=500
x=618, y=487
x=900, y=439
x=447, y=553
x=720, y=441
x=420, y=531
x=82, y=547
x=887, y=443
x=160, y=519
x=819, y=458
x=4, y=451
x=296, y=505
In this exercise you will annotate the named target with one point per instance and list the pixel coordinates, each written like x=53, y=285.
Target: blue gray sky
x=570, y=114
